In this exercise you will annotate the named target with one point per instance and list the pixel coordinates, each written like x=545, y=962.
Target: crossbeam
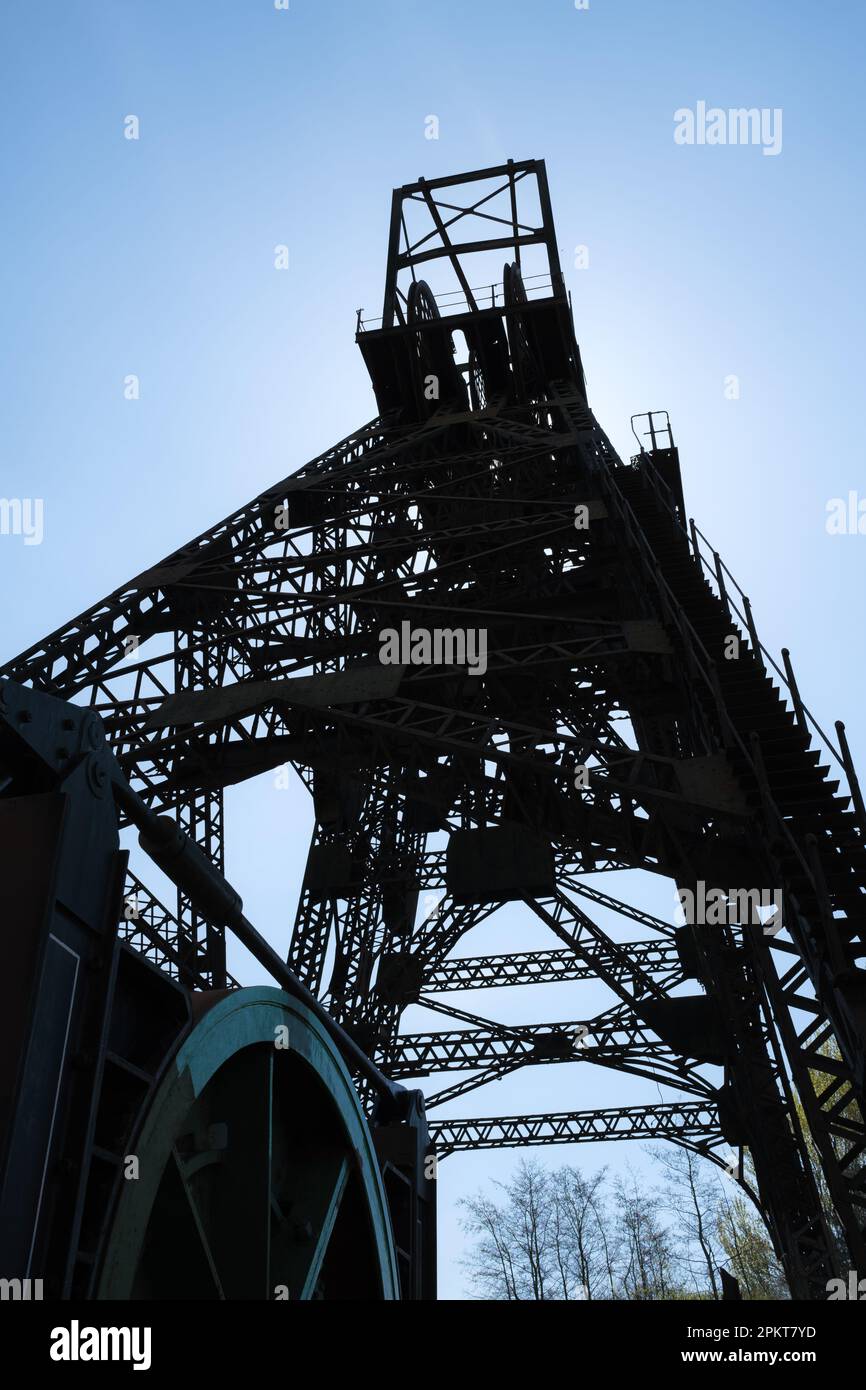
x=691, y=1123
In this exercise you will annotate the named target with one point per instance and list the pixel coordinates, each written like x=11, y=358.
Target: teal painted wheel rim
x=256, y=1172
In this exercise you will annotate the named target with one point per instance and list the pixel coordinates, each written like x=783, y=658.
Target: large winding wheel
x=434, y=351
x=256, y=1177
x=527, y=377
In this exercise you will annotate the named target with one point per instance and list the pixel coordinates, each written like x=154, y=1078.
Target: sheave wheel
x=257, y=1177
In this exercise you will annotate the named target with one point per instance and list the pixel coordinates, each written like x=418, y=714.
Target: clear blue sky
x=259, y=127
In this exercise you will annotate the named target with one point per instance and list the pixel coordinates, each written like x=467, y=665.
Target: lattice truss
x=258, y=644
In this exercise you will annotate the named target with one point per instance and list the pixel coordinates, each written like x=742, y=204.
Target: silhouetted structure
x=597, y=716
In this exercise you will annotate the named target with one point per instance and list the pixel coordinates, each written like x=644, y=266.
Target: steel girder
x=241, y=652
x=613, y=1039
x=165, y=746
x=687, y=1124
x=536, y=967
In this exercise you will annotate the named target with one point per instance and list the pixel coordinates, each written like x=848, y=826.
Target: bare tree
x=649, y=1260
x=585, y=1249
x=491, y=1262
x=750, y=1255
x=692, y=1196
x=560, y=1235
x=514, y=1257
x=556, y=1236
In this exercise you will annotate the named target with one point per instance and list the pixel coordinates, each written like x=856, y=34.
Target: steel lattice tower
x=485, y=497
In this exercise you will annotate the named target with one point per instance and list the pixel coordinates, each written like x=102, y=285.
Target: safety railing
x=700, y=664
x=722, y=582
x=485, y=297
x=818, y=958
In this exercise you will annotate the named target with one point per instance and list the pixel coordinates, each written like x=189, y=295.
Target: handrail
x=820, y=959
x=716, y=572
x=787, y=681
x=674, y=614
x=693, y=644
x=652, y=431
x=449, y=297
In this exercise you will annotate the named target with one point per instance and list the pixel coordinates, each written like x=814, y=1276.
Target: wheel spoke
x=196, y=1219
